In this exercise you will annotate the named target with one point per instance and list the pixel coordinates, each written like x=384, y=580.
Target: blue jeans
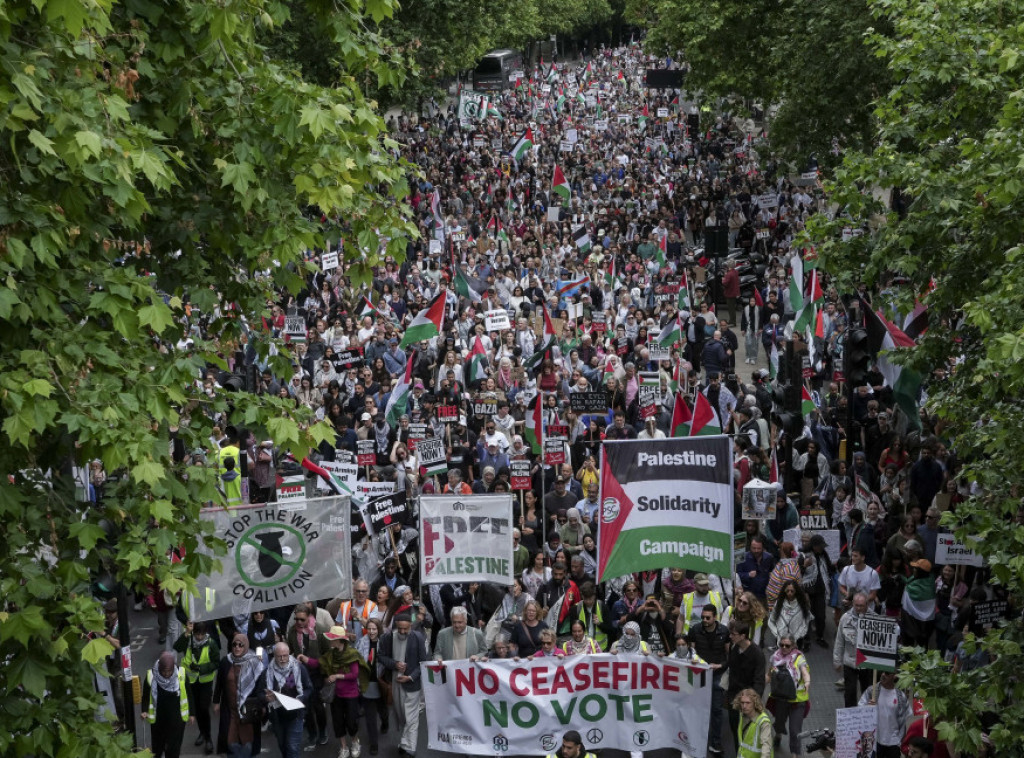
x=288, y=732
x=240, y=750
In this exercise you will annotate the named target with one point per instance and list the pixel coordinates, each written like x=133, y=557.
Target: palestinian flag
x=863, y=495
x=611, y=278
x=806, y=401
x=620, y=77
x=533, y=430
x=916, y=322
x=435, y=209
x=434, y=469
x=705, y=420
x=671, y=335
x=588, y=72
x=567, y=289
x=399, y=399
x=523, y=145
x=464, y=288
x=492, y=110
x=582, y=239
x=684, y=302
x=677, y=378
x=645, y=116
x=919, y=598
x=552, y=75
x=773, y=362
x=561, y=100
x=884, y=337
x=547, y=341
x=477, y=361
x=581, y=98
x=366, y=308
x=437, y=673
x=811, y=258
x=681, y=417
x=773, y=467
x=814, y=292
x=497, y=228
x=819, y=326
x=559, y=186
x=804, y=318
x=662, y=254
x=427, y=323
x=796, y=283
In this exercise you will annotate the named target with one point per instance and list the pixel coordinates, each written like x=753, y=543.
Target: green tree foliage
x=807, y=60
x=950, y=137
x=163, y=124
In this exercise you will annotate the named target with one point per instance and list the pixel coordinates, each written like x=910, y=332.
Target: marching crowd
x=594, y=255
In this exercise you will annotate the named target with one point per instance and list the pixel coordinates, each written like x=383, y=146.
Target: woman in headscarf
x=573, y=532
x=286, y=676
x=237, y=678
x=580, y=643
x=630, y=641
x=169, y=709
x=790, y=712
x=378, y=690
x=343, y=666
x=262, y=634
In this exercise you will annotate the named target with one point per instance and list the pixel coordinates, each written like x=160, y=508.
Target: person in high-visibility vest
x=755, y=736
x=572, y=747
x=168, y=712
x=200, y=662
x=694, y=602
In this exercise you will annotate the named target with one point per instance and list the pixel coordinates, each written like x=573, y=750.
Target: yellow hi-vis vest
x=182, y=697
x=191, y=666
x=747, y=738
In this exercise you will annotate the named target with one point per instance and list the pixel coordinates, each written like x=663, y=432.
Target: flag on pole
x=773, y=467
x=806, y=401
x=533, y=429
x=814, y=291
x=477, y=361
x=547, y=340
x=435, y=209
x=464, y=288
x=582, y=239
x=644, y=117
x=705, y=421
x=399, y=399
x=796, y=283
x=681, y=417
x=916, y=322
x=883, y=337
x=567, y=289
x=773, y=362
x=662, y=254
x=427, y=323
x=559, y=186
x=819, y=326
x=366, y=308
x=523, y=145
x=684, y=301
x=671, y=335
x=611, y=278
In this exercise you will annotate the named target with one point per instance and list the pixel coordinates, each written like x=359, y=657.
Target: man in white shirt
x=894, y=713
x=858, y=577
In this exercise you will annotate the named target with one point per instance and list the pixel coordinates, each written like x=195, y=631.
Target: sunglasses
x=237, y=644
x=785, y=647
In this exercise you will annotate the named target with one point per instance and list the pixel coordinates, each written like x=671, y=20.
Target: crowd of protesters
x=608, y=269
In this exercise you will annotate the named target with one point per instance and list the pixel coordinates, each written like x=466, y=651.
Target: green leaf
x=87, y=534
x=90, y=142
x=25, y=672
x=148, y=472
x=41, y=141
x=72, y=11
x=156, y=316
x=97, y=650
x=24, y=625
x=38, y=387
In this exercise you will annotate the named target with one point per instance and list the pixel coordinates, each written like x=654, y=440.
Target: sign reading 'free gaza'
x=276, y=556
x=666, y=503
x=620, y=702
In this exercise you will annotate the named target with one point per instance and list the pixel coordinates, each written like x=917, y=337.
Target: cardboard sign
x=877, y=642
x=856, y=730
x=949, y=551
x=497, y=321
x=648, y=407
x=621, y=346
x=601, y=125
x=519, y=475
x=485, y=407
x=329, y=261
x=435, y=247
x=554, y=452
x=814, y=519
x=291, y=488
x=572, y=135
x=447, y=414
x=558, y=432
x=656, y=352
x=366, y=452
x=662, y=112
x=417, y=432
x=565, y=147
x=762, y=234
x=767, y=201
x=348, y=358
x=381, y=512
x=432, y=456
x=479, y=141
x=295, y=328
x=988, y=613
x=588, y=402
x=553, y=214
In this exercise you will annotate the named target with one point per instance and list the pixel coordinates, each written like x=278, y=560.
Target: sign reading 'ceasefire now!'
x=666, y=503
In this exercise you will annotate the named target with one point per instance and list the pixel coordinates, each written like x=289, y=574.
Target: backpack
x=783, y=686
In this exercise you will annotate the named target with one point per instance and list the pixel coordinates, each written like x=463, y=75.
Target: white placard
x=949, y=551
x=662, y=112
x=435, y=247
x=572, y=135
x=466, y=539
x=565, y=147
x=496, y=321
x=855, y=731
x=329, y=261
x=553, y=213
x=601, y=124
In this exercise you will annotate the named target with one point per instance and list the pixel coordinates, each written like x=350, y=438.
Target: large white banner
x=276, y=556
x=466, y=539
x=620, y=702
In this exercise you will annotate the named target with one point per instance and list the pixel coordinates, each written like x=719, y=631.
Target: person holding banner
x=460, y=641
x=580, y=643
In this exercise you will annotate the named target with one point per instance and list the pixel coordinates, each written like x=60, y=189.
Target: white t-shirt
x=864, y=580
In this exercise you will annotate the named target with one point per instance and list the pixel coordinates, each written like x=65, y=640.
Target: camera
x=820, y=739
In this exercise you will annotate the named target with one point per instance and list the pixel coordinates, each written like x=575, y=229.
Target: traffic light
x=857, y=356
